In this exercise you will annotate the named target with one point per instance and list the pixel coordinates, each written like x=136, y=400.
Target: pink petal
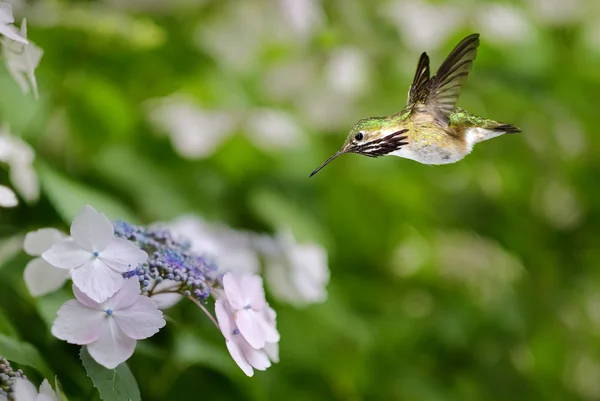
x=113, y=347
x=126, y=296
x=248, y=323
x=236, y=353
x=253, y=291
x=24, y=390
x=270, y=333
x=78, y=324
x=85, y=300
x=233, y=291
x=42, y=278
x=67, y=254
x=141, y=320
x=92, y=230
x=122, y=255
x=257, y=358
x=6, y=14
x=36, y=242
x=97, y=280
x=224, y=317
x=12, y=33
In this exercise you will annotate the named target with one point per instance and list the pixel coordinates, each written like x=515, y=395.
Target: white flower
x=246, y=296
x=231, y=250
x=97, y=257
x=7, y=197
x=24, y=390
x=297, y=273
x=109, y=329
x=6, y=24
x=195, y=133
x=246, y=357
x=40, y=276
x=273, y=129
x=22, y=60
x=19, y=156
x=165, y=294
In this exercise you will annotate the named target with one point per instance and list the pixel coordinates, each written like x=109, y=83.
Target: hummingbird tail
x=506, y=129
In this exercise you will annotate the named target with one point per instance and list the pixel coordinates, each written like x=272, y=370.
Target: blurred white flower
x=296, y=273
x=557, y=12
x=347, y=71
x=195, y=133
x=304, y=16
x=21, y=61
x=40, y=276
x=109, y=329
x=504, y=23
x=24, y=390
x=424, y=26
x=6, y=24
x=94, y=255
x=273, y=129
x=7, y=197
x=19, y=156
x=231, y=250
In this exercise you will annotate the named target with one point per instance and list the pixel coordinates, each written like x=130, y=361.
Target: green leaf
x=68, y=197
x=6, y=326
x=49, y=304
x=191, y=349
x=112, y=384
x=23, y=353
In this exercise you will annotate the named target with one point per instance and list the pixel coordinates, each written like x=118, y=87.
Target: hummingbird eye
x=358, y=136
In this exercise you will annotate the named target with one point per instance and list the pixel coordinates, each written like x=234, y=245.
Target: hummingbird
x=430, y=129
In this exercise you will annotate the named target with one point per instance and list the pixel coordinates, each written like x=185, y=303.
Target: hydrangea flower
x=247, y=357
x=246, y=296
x=109, y=329
x=97, y=258
x=40, y=276
x=19, y=156
x=21, y=59
x=25, y=391
x=6, y=24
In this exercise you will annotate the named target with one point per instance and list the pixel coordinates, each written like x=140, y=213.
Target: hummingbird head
x=370, y=137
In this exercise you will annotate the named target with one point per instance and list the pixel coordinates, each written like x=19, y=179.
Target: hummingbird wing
x=438, y=95
x=421, y=77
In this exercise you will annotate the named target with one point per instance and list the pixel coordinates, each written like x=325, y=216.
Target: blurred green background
x=476, y=280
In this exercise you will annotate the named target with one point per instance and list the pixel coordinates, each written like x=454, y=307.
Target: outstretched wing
x=421, y=77
x=439, y=94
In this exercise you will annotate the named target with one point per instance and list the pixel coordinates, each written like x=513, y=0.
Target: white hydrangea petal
x=272, y=351
x=166, y=300
x=46, y=389
x=24, y=180
x=270, y=333
x=7, y=197
x=42, y=278
x=248, y=323
x=225, y=319
x=257, y=358
x=38, y=241
x=141, y=320
x=11, y=32
x=67, y=254
x=252, y=289
x=92, y=230
x=122, y=255
x=85, y=300
x=45, y=397
x=236, y=353
x=113, y=347
x=233, y=291
x=78, y=324
x=127, y=295
x=6, y=14
x=24, y=390
x=97, y=280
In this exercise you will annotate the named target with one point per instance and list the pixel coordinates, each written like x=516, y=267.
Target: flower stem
x=212, y=319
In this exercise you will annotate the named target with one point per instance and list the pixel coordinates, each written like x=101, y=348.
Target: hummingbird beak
x=339, y=152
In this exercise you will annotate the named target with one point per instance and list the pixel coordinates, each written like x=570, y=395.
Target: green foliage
x=116, y=384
